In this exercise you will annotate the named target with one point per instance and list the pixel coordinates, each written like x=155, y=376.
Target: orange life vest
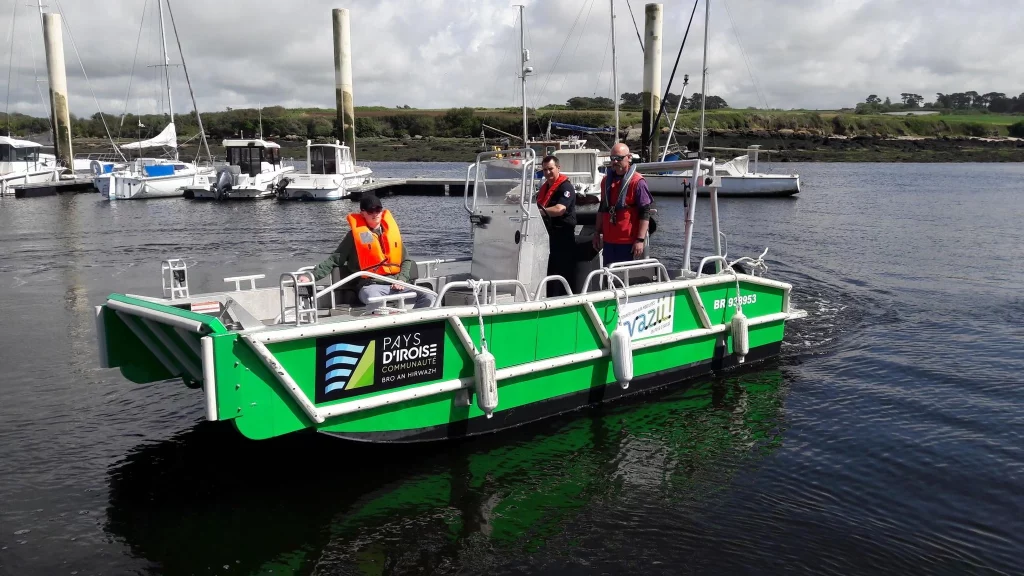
x=546, y=192
x=380, y=255
x=623, y=229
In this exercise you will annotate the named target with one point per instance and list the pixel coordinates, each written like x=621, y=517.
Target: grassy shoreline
x=784, y=147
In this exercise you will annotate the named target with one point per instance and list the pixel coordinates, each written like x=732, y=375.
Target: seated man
x=373, y=244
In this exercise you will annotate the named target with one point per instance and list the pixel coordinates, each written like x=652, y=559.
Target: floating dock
x=411, y=187
x=39, y=189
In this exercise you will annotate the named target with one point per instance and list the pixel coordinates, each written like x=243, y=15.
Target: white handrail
x=252, y=278
x=385, y=279
x=646, y=263
x=544, y=282
x=487, y=284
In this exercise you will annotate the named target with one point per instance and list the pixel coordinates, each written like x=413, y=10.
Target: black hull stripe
x=506, y=419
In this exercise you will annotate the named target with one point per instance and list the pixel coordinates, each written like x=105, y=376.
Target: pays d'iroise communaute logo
x=349, y=366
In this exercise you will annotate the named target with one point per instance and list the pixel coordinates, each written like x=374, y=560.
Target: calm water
x=887, y=439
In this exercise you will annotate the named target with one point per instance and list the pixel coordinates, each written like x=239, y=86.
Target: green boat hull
x=410, y=377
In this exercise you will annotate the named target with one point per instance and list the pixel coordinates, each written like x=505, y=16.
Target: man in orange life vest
x=623, y=216
x=557, y=202
x=373, y=244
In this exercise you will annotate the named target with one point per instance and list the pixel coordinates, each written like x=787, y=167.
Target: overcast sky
x=444, y=53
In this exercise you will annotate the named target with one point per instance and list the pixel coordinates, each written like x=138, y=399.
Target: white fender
x=485, y=373
x=740, y=336
x=622, y=356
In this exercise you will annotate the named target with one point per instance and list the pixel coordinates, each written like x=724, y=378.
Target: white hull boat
x=330, y=175
x=748, y=185
x=737, y=180
x=145, y=178
x=254, y=171
x=21, y=163
x=129, y=186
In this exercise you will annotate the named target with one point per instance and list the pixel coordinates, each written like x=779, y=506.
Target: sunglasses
x=615, y=158
x=374, y=211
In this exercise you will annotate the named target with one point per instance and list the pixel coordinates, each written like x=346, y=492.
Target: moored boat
x=737, y=177
x=330, y=174
x=22, y=163
x=254, y=171
x=493, y=352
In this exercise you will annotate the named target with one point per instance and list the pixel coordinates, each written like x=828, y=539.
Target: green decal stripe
x=363, y=374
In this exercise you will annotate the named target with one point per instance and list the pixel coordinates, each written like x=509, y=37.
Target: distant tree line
x=995, y=102
x=635, y=101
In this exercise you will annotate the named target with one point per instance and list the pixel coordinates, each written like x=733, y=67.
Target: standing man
x=557, y=202
x=372, y=244
x=625, y=210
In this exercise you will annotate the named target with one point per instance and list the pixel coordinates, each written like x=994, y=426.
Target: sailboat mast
x=167, y=66
x=615, y=80
x=523, y=57
x=704, y=79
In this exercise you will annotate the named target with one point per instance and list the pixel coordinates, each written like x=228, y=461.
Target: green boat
x=493, y=352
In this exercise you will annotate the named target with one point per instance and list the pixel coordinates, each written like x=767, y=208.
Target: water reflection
x=210, y=500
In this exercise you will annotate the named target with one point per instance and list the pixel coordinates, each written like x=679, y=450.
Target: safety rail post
x=304, y=306
x=174, y=278
x=251, y=279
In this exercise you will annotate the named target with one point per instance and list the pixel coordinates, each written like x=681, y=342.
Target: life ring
x=96, y=168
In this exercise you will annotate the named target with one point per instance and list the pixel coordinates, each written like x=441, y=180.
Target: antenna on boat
x=615, y=81
x=672, y=127
x=704, y=78
x=524, y=57
x=259, y=106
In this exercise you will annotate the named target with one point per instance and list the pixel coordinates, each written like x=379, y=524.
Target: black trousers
x=562, y=259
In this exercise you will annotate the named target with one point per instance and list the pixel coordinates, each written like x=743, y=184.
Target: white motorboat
x=583, y=168
x=330, y=174
x=738, y=180
x=254, y=171
x=21, y=163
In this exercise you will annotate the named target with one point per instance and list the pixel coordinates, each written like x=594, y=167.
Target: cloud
x=444, y=53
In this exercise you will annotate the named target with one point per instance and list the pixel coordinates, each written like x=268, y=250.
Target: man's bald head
x=620, y=158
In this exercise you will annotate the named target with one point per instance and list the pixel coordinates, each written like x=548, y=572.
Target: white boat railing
x=304, y=293
x=625, y=268
x=490, y=289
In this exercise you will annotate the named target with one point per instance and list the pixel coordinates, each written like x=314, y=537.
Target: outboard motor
x=96, y=168
x=223, y=184
x=280, y=187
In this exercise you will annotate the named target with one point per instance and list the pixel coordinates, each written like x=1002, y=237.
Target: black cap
x=370, y=203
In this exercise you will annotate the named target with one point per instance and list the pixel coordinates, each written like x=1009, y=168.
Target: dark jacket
x=565, y=195
x=344, y=257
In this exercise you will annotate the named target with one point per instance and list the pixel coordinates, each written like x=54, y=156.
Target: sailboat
x=735, y=177
x=154, y=177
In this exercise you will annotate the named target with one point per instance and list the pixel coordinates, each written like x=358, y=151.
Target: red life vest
x=546, y=191
x=623, y=230
x=378, y=255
